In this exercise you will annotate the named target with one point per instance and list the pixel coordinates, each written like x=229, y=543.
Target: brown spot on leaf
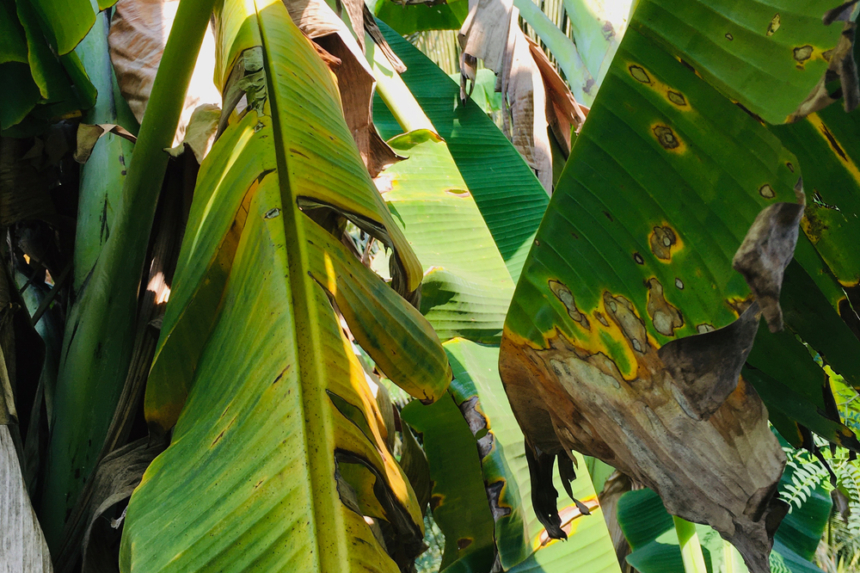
x=790, y=166
x=463, y=543
x=679, y=284
x=600, y=318
x=638, y=258
x=567, y=299
x=639, y=74
x=661, y=240
x=802, y=53
x=666, y=137
x=458, y=192
x=436, y=500
x=833, y=143
x=729, y=37
x=766, y=191
x=677, y=98
x=704, y=327
x=773, y=25
x=665, y=317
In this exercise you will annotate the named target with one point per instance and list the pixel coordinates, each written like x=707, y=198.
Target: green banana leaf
x=519, y=538
x=651, y=534
x=827, y=147
x=46, y=79
x=466, y=289
x=279, y=446
x=508, y=194
x=407, y=18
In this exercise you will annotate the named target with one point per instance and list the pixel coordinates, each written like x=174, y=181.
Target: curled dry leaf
x=88, y=135
x=684, y=423
x=354, y=76
x=200, y=132
x=535, y=94
x=138, y=33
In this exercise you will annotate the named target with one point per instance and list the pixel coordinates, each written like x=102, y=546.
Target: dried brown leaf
x=138, y=34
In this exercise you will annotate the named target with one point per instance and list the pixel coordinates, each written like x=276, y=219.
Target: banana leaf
x=632, y=268
x=279, y=445
x=507, y=193
x=494, y=439
x=411, y=17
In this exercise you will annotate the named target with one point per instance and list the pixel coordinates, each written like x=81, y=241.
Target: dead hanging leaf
x=841, y=66
x=24, y=182
x=563, y=113
x=200, y=132
x=524, y=77
x=354, y=76
x=767, y=250
x=24, y=547
x=88, y=135
x=684, y=423
x=138, y=33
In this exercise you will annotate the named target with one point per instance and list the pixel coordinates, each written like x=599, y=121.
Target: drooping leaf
x=280, y=444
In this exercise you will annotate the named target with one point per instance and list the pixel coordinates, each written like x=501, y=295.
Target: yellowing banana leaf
x=507, y=193
x=280, y=447
x=629, y=313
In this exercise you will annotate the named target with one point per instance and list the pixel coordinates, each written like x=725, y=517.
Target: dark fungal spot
x=767, y=191
x=676, y=98
x=687, y=65
x=639, y=74
x=790, y=166
x=574, y=235
x=729, y=37
x=802, y=53
x=679, y=284
x=537, y=243
x=463, y=543
x=608, y=216
x=566, y=297
x=666, y=137
x=703, y=328
x=833, y=143
x=601, y=319
x=638, y=258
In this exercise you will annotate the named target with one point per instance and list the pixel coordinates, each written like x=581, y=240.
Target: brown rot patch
x=766, y=191
x=665, y=317
x=661, y=240
x=639, y=74
x=566, y=297
x=704, y=327
x=666, y=136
